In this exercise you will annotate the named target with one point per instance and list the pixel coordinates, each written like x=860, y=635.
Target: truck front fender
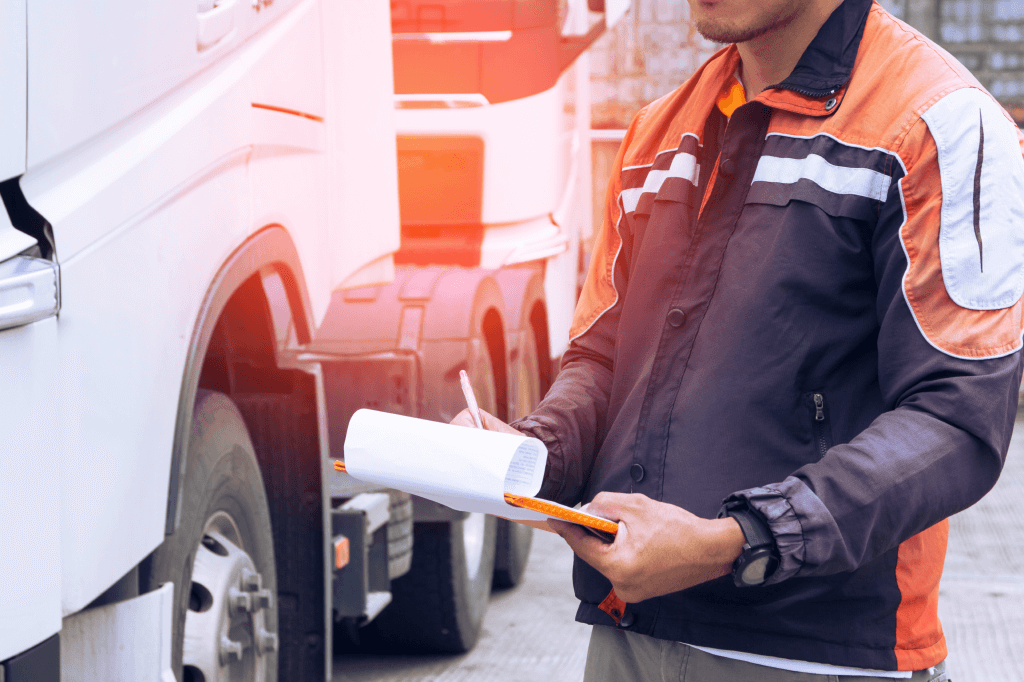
x=268, y=252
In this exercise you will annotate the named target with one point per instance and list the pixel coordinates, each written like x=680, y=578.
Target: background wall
x=985, y=35
x=649, y=53
x=654, y=48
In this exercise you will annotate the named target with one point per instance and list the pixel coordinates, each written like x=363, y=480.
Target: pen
x=467, y=390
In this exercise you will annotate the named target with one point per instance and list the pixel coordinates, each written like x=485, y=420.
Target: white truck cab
x=205, y=268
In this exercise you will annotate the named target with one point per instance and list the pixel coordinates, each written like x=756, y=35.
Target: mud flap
x=124, y=642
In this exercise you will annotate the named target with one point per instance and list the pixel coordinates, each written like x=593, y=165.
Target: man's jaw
x=716, y=23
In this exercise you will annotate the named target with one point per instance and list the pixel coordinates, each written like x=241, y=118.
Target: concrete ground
x=530, y=634
x=981, y=602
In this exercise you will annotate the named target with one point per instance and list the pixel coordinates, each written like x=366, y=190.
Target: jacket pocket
x=821, y=425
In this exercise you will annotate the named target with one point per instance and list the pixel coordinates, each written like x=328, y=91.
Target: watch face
x=754, y=570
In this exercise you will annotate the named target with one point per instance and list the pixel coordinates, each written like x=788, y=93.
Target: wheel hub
x=225, y=635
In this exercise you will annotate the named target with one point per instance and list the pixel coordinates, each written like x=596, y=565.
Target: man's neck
x=769, y=58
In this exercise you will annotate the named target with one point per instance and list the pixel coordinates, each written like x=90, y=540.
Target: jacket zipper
x=820, y=424
x=816, y=94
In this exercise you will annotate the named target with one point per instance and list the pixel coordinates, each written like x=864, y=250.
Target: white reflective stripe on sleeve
x=630, y=198
x=981, y=236
x=863, y=182
x=683, y=166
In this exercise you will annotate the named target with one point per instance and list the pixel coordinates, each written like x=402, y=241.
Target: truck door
x=29, y=488
x=136, y=155
x=13, y=77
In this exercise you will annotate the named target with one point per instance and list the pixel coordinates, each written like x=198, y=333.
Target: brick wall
x=649, y=53
x=654, y=48
x=985, y=35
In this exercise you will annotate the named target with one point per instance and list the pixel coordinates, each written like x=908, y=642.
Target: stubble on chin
x=734, y=31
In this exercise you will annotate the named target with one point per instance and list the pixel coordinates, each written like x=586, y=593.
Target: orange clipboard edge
x=602, y=528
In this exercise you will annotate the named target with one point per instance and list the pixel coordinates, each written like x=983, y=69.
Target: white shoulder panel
x=981, y=237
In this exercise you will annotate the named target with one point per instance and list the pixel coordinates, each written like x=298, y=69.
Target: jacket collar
x=827, y=62
x=824, y=68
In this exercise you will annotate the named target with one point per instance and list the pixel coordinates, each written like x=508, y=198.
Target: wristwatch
x=760, y=556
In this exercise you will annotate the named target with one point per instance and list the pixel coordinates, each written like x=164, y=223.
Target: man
x=806, y=302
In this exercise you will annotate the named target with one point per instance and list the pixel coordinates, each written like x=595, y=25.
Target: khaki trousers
x=621, y=656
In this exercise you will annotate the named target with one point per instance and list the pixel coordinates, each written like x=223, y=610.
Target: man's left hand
x=660, y=548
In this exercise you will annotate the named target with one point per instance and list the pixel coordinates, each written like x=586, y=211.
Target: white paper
x=462, y=468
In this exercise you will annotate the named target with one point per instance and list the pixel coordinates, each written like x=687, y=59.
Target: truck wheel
x=221, y=558
x=439, y=605
x=527, y=376
x=515, y=539
x=512, y=551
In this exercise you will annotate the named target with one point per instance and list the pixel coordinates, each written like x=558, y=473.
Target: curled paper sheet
x=465, y=469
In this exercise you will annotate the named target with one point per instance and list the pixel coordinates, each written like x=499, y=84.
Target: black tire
x=514, y=540
x=400, y=534
x=284, y=429
x=223, y=509
x=512, y=552
x=439, y=605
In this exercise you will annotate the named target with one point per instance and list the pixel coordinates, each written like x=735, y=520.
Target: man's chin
x=722, y=32
x=734, y=30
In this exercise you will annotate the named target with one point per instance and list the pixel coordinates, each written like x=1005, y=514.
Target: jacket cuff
x=554, y=473
x=795, y=515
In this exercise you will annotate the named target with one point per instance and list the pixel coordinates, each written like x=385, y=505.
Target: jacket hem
x=919, y=659
x=749, y=640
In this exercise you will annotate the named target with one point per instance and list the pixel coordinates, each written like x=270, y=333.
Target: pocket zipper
x=819, y=424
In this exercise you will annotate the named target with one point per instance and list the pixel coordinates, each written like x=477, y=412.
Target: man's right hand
x=491, y=423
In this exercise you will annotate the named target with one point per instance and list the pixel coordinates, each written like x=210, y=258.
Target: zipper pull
x=819, y=407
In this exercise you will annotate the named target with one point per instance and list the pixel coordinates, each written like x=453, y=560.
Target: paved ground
x=981, y=601
x=529, y=632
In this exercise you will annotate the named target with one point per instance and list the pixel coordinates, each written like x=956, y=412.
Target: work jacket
x=814, y=306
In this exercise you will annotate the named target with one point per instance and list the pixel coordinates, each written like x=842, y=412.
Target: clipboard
x=595, y=525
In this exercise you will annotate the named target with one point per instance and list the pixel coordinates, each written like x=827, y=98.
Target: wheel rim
x=473, y=528
x=225, y=635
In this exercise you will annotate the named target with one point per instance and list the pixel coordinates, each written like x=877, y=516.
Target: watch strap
x=755, y=530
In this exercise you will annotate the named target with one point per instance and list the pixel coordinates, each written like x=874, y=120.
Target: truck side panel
x=12, y=88
x=363, y=198
x=289, y=155
x=29, y=488
x=144, y=215
x=94, y=64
